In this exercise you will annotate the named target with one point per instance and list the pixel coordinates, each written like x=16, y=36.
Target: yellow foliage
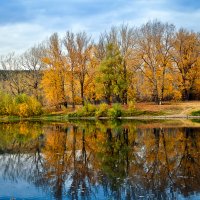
x=46, y=60
x=177, y=95
x=52, y=86
x=35, y=107
x=23, y=110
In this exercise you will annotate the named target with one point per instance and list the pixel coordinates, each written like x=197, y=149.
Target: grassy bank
x=140, y=110
x=132, y=111
x=137, y=110
x=114, y=111
x=196, y=113
x=45, y=117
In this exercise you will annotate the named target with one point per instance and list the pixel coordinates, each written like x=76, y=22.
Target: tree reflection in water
x=112, y=161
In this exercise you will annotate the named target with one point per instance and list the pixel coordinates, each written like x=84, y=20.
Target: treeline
x=154, y=62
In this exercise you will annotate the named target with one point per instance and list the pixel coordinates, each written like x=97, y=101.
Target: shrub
x=131, y=106
x=102, y=110
x=1, y=102
x=7, y=105
x=115, y=111
x=27, y=106
x=35, y=106
x=72, y=114
x=196, y=113
x=23, y=110
x=21, y=98
x=88, y=110
x=130, y=111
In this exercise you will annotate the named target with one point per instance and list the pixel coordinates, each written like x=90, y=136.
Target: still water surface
x=99, y=160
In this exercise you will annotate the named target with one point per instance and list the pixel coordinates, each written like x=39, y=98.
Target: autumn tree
x=186, y=57
x=84, y=47
x=78, y=53
x=69, y=43
x=153, y=49
x=90, y=88
x=153, y=62
x=53, y=80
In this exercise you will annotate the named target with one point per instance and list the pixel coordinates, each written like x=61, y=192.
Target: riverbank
x=142, y=111
x=169, y=110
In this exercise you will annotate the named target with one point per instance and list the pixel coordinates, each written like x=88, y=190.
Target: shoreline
x=66, y=118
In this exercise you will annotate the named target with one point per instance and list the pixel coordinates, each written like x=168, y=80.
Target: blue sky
x=24, y=23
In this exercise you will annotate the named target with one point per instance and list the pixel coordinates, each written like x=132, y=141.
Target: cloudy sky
x=24, y=23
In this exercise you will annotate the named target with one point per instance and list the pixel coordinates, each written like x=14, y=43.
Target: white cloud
x=21, y=36
x=43, y=21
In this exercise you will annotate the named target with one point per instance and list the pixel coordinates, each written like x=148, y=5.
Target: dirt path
x=190, y=107
x=173, y=110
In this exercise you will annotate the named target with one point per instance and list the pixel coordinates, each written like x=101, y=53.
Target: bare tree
x=31, y=63
x=13, y=74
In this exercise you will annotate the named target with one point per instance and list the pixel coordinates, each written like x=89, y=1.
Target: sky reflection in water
x=99, y=160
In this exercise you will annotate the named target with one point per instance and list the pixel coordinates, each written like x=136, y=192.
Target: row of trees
x=154, y=62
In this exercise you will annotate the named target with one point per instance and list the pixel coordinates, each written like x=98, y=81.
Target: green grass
x=90, y=111
x=113, y=112
x=196, y=120
x=135, y=113
x=9, y=118
x=196, y=113
x=47, y=117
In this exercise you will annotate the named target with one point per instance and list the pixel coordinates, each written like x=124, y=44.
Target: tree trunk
x=73, y=102
x=82, y=92
x=108, y=99
x=65, y=104
x=125, y=96
x=185, y=95
x=125, y=92
x=155, y=96
x=72, y=88
x=163, y=85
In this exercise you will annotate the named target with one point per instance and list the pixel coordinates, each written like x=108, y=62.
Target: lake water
x=100, y=160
